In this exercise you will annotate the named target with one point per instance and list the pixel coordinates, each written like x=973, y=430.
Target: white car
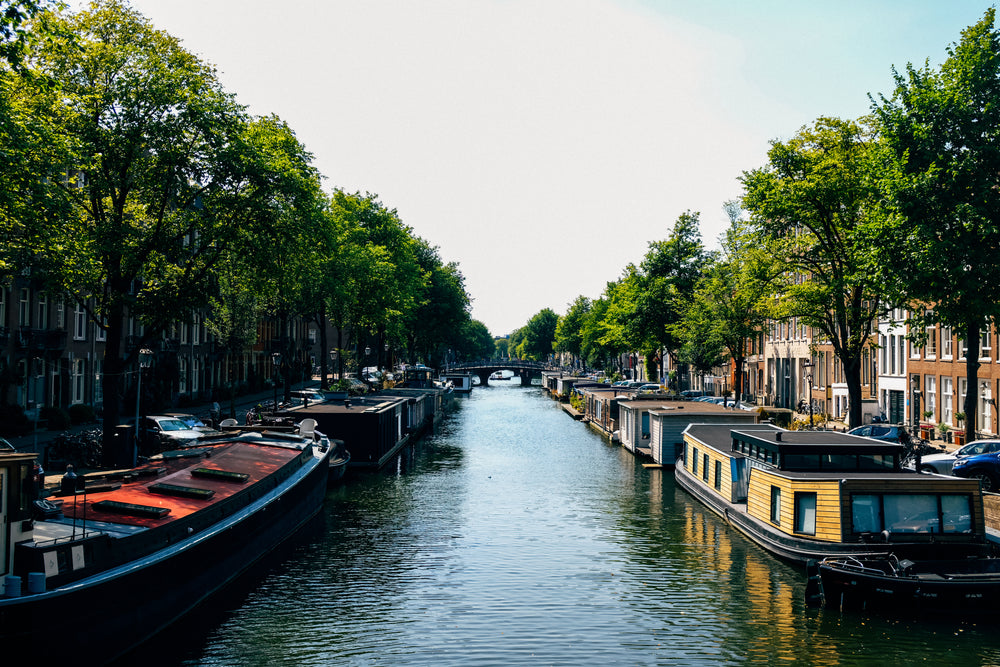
x=942, y=464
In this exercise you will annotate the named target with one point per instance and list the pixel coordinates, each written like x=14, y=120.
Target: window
x=931, y=349
x=911, y=513
x=694, y=461
x=946, y=402
x=704, y=467
x=79, y=323
x=963, y=349
x=985, y=346
x=101, y=332
x=184, y=333
x=43, y=312
x=930, y=394
x=195, y=368
x=24, y=308
x=892, y=355
x=196, y=329
x=182, y=364
x=775, y=505
x=805, y=513
x=77, y=383
x=946, y=340
x=98, y=387
x=718, y=476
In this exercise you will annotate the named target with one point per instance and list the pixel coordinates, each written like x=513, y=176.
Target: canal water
x=516, y=536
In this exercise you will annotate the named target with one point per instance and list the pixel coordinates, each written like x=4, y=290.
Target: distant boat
x=112, y=561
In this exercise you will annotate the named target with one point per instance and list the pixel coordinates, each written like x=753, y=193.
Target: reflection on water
x=514, y=535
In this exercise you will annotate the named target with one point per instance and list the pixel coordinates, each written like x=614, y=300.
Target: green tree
x=941, y=177
x=811, y=202
x=538, y=335
x=732, y=301
x=569, y=329
x=158, y=179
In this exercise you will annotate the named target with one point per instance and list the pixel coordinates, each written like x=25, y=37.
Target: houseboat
x=652, y=427
x=373, y=428
x=111, y=561
x=462, y=382
x=815, y=494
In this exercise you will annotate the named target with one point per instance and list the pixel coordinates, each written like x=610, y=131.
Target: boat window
x=911, y=513
x=866, y=513
x=718, y=475
x=801, y=462
x=805, y=513
x=776, y=505
x=694, y=461
x=956, y=514
x=839, y=462
x=875, y=462
x=704, y=467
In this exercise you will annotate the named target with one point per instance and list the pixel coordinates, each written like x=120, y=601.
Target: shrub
x=13, y=421
x=55, y=418
x=81, y=414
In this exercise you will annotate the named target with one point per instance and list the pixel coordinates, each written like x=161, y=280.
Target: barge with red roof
x=90, y=575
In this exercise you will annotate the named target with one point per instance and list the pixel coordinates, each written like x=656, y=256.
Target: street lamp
x=915, y=416
x=333, y=360
x=145, y=359
x=276, y=360
x=808, y=366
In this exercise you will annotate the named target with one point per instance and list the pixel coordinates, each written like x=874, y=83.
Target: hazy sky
x=543, y=144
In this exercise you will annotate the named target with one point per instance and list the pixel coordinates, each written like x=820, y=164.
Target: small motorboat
x=890, y=583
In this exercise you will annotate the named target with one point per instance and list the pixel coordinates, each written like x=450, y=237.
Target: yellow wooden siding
x=829, y=525
x=726, y=486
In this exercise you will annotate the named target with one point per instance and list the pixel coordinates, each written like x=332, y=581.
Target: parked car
x=692, y=393
x=984, y=467
x=879, y=432
x=650, y=388
x=944, y=463
x=192, y=422
x=300, y=396
x=164, y=432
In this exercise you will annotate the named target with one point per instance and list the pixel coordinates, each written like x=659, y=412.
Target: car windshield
x=173, y=425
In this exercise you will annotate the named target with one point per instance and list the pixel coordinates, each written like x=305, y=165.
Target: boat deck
x=152, y=500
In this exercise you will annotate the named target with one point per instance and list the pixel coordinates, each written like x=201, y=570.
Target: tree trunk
x=972, y=338
x=852, y=373
x=111, y=381
x=323, y=349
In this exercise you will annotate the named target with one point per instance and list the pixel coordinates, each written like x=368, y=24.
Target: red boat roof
x=237, y=466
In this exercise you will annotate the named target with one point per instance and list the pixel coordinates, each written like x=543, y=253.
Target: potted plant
x=944, y=432
x=927, y=429
x=960, y=434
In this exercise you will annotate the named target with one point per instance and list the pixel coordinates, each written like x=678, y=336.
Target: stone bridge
x=526, y=370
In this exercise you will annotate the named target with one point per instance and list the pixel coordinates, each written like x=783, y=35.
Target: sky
x=543, y=144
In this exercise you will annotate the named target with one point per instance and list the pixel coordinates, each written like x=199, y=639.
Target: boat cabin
x=462, y=382
x=828, y=486
x=17, y=492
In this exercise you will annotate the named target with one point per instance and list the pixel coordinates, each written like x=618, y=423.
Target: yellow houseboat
x=814, y=494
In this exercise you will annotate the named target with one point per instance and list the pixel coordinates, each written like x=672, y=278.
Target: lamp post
x=333, y=360
x=808, y=366
x=365, y=373
x=915, y=407
x=276, y=360
x=145, y=359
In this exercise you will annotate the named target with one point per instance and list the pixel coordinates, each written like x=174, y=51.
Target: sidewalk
x=38, y=441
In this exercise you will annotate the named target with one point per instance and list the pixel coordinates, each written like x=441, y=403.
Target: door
x=895, y=407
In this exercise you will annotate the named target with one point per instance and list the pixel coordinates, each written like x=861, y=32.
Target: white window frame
x=42, y=300
x=24, y=308
x=947, y=337
x=79, y=323
x=947, y=405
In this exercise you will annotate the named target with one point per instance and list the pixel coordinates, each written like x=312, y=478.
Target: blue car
x=984, y=467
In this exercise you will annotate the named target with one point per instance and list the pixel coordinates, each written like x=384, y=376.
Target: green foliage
x=811, y=203
x=536, y=337
x=936, y=244
x=80, y=413
x=55, y=418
